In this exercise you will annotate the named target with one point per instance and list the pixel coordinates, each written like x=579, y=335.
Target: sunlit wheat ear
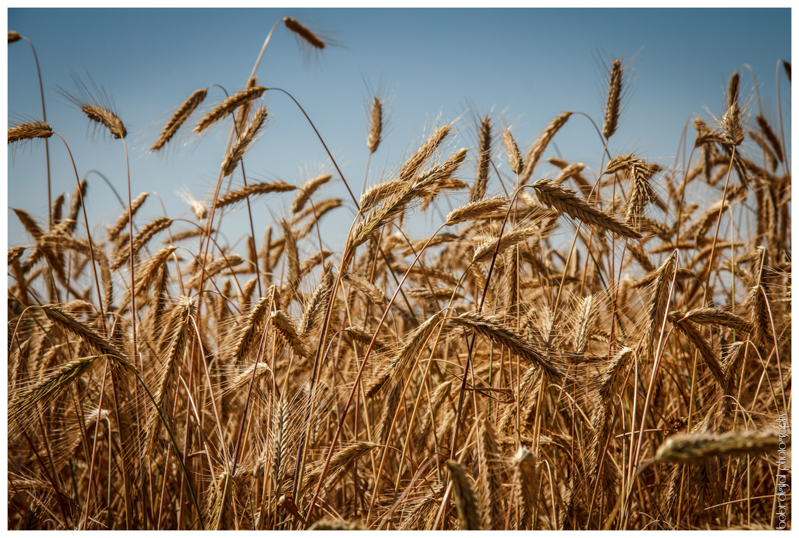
x=158, y=225
x=122, y=220
x=243, y=142
x=515, y=160
x=413, y=165
x=375, y=125
x=14, y=253
x=566, y=201
x=307, y=190
x=303, y=34
x=28, y=131
x=514, y=236
x=537, y=149
x=180, y=117
x=287, y=330
x=696, y=447
x=484, y=147
x=255, y=189
x=214, y=268
x=51, y=385
x=493, y=328
x=228, y=106
x=657, y=304
x=374, y=195
x=200, y=209
x=613, y=105
x=463, y=495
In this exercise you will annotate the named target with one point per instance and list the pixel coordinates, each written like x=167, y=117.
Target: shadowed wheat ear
x=463, y=495
x=307, y=190
x=29, y=131
x=13, y=36
x=256, y=189
x=228, y=106
x=526, y=485
x=696, y=447
x=658, y=302
x=180, y=117
x=303, y=34
x=220, y=506
x=613, y=105
x=566, y=201
x=243, y=142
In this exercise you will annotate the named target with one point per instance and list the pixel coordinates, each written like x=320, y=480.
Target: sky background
x=522, y=66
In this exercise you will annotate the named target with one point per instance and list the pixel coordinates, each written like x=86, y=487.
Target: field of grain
x=572, y=350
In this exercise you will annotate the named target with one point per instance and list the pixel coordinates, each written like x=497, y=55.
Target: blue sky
x=523, y=66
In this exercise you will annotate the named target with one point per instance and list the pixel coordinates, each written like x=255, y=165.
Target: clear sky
x=524, y=66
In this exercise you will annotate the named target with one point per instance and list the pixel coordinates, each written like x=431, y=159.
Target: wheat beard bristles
x=614, y=100
x=180, y=117
x=28, y=131
x=566, y=201
x=228, y=106
x=515, y=160
x=417, y=160
x=158, y=225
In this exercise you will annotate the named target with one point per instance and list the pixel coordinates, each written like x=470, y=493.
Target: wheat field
x=578, y=349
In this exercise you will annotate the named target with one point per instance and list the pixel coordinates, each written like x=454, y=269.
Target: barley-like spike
x=494, y=329
x=51, y=385
x=180, y=117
